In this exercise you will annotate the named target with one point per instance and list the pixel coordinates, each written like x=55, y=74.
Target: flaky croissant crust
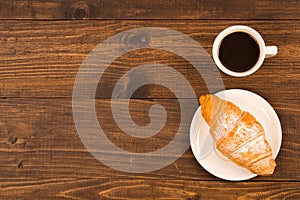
x=237, y=135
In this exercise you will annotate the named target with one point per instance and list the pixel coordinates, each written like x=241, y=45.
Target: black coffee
x=239, y=52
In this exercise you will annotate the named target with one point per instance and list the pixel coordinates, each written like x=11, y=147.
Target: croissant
x=237, y=135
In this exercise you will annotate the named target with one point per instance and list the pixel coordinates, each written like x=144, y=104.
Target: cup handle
x=271, y=51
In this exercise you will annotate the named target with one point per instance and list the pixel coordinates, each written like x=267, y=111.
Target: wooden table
x=45, y=42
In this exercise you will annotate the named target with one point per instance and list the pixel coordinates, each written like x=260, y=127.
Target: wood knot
x=20, y=164
x=12, y=139
x=138, y=40
x=78, y=10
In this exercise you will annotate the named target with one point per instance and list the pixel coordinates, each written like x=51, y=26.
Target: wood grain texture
x=41, y=59
x=41, y=154
x=128, y=188
x=39, y=140
x=149, y=9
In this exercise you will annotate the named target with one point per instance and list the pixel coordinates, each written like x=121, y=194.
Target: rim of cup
x=239, y=28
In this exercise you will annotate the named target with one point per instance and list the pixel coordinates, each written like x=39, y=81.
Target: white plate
x=214, y=162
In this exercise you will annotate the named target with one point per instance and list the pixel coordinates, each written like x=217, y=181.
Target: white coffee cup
x=265, y=51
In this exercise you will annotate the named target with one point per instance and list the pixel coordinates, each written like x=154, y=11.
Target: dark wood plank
x=128, y=188
x=149, y=9
x=40, y=59
x=39, y=140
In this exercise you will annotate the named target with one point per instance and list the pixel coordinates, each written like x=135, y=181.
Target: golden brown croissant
x=237, y=135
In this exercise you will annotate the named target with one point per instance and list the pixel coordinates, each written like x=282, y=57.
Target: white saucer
x=214, y=162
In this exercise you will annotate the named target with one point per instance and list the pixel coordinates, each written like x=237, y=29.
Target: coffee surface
x=239, y=52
